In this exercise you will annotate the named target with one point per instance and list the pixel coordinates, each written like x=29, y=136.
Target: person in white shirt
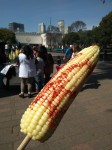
x=27, y=69
x=74, y=51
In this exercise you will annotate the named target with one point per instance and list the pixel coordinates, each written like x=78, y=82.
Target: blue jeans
x=39, y=82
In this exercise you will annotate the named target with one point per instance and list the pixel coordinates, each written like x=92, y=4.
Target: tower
x=41, y=28
x=61, y=26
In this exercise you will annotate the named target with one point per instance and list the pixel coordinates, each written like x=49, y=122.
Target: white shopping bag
x=5, y=69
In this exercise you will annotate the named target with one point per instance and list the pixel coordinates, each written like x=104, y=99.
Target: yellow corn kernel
x=39, y=117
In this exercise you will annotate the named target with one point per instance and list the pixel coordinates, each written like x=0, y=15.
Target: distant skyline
x=31, y=13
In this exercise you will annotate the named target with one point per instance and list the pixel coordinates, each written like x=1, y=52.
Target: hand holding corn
x=41, y=113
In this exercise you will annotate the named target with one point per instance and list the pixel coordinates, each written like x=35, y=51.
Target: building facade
x=28, y=38
x=41, y=28
x=16, y=27
x=61, y=26
x=52, y=38
x=66, y=30
x=47, y=39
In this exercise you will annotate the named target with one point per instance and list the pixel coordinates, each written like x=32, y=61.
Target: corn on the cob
x=41, y=113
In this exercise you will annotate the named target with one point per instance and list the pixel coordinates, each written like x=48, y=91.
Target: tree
x=83, y=40
x=70, y=38
x=77, y=26
x=7, y=36
x=105, y=29
x=54, y=38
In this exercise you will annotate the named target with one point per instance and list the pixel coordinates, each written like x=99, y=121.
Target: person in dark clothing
x=3, y=63
x=3, y=60
x=49, y=67
x=11, y=73
x=49, y=62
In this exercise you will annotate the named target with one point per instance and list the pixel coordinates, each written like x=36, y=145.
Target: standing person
x=3, y=61
x=49, y=66
x=39, y=78
x=27, y=69
x=68, y=53
x=74, y=51
x=6, y=70
x=49, y=62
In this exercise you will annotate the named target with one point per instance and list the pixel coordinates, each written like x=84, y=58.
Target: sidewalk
x=87, y=124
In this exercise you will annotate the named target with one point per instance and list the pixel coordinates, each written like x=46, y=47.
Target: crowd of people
x=71, y=51
x=35, y=66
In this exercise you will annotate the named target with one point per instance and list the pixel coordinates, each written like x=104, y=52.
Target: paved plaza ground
x=87, y=124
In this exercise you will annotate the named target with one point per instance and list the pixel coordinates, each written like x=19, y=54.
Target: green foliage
x=77, y=26
x=85, y=37
x=7, y=36
x=70, y=38
x=101, y=35
x=105, y=28
x=77, y=34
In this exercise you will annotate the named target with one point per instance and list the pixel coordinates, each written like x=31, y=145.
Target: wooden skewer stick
x=24, y=143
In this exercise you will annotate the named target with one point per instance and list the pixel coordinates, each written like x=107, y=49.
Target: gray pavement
x=87, y=124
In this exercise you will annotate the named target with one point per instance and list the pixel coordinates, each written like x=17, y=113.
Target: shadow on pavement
x=103, y=71
x=12, y=90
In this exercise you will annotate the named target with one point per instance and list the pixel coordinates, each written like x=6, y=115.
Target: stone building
x=47, y=39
